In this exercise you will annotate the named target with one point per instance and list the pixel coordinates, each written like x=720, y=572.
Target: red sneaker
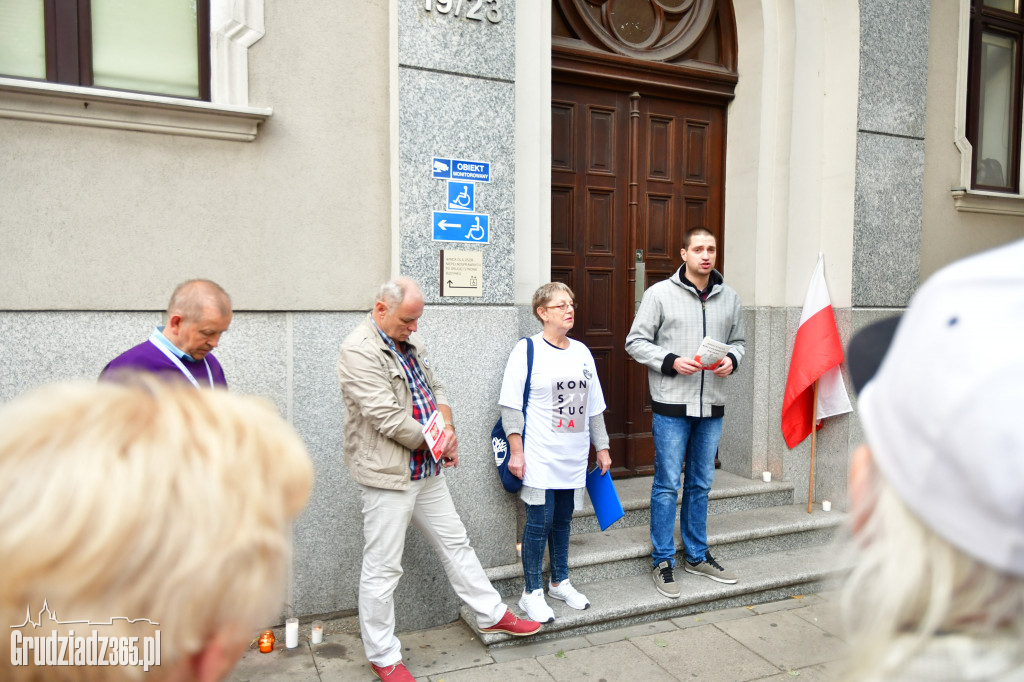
x=514, y=625
x=393, y=673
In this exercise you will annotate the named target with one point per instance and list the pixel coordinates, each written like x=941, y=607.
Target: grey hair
x=191, y=297
x=907, y=580
x=392, y=293
x=546, y=292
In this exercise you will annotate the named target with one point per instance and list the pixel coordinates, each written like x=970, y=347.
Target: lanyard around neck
x=177, y=361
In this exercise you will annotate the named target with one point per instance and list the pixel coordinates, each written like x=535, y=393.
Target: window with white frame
x=177, y=67
x=150, y=46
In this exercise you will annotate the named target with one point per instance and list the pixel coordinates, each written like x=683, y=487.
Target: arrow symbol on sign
x=444, y=224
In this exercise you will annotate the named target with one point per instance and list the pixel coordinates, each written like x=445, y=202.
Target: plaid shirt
x=421, y=462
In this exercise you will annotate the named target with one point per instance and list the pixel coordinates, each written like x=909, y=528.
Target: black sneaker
x=711, y=569
x=665, y=581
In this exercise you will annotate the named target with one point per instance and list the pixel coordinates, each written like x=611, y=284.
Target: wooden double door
x=629, y=175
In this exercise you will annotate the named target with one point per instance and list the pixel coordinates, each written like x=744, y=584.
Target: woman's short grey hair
x=546, y=292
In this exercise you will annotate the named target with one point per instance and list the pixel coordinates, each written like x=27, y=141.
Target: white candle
x=316, y=634
x=826, y=505
x=767, y=476
x=291, y=633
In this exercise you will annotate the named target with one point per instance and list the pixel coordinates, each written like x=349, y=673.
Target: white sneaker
x=567, y=593
x=536, y=607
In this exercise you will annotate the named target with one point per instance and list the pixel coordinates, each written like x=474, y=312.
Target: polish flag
x=817, y=355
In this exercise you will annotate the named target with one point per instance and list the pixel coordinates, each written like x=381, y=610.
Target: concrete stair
x=776, y=548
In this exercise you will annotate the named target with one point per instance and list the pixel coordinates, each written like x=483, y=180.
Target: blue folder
x=604, y=498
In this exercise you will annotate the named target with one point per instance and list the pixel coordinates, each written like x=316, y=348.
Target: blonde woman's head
x=146, y=501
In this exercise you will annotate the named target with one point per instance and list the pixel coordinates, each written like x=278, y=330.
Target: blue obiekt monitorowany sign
x=458, y=169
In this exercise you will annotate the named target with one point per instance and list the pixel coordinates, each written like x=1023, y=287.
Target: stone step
x=630, y=600
x=729, y=493
x=621, y=552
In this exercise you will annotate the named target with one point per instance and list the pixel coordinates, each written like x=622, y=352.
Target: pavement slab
x=823, y=672
x=826, y=616
x=438, y=650
x=543, y=648
x=341, y=657
x=509, y=671
x=616, y=661
x=280, y=664
x=705, y=653
x=785, y=639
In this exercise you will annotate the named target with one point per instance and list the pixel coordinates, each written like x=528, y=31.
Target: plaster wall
x=533, y=149
x=791, y=154
x=946, y=233
x=99, y=219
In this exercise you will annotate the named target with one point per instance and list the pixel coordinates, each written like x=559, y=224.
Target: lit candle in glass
x=267, y=642
x=316, y=633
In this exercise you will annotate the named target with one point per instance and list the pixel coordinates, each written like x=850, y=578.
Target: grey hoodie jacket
x=670, y=323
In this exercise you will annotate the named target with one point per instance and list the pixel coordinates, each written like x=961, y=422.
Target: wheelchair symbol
x=463, y=200
x=476, y=232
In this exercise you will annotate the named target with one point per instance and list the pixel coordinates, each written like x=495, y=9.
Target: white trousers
x=386, y=516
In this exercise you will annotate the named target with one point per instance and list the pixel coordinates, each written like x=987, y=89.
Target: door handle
x=641, y=280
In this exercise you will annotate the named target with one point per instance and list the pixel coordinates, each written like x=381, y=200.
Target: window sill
x=974, y=201
x=55, y=103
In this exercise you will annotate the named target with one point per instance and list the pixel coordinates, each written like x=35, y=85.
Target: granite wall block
x=329, y=533
x=888, y=202
x=42, y=347
x=893, y=66
x=477, y=44
x=453, y=116
x=738, y=425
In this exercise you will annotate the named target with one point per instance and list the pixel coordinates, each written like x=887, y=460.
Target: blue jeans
x=547, y=524
x=696, y=439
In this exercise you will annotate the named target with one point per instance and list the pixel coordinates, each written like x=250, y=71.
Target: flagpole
x=814, y=434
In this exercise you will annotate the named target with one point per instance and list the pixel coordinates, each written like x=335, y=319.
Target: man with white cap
x=937, y=492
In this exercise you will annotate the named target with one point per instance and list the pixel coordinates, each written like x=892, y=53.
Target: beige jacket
x=380, y=431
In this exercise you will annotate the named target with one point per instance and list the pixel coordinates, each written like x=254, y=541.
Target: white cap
x=944, y=414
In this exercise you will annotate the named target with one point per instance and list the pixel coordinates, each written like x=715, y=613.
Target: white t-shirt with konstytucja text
x=564, y=393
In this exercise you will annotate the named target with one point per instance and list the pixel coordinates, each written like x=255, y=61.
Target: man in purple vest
x=199, y=312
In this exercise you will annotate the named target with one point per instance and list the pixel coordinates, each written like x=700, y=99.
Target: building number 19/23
x=476, y=10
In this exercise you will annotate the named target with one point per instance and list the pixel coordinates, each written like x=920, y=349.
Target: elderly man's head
x=198, y=313
x=398, y=308
x=149, y=501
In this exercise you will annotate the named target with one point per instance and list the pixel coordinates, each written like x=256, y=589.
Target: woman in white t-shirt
x=564, y=415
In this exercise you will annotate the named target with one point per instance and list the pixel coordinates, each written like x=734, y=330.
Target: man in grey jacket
x=688, y=401
x=390, y=393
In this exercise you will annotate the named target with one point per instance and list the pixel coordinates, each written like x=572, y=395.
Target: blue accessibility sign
x=461, y=196
x=462, y=227
x=458, y=169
